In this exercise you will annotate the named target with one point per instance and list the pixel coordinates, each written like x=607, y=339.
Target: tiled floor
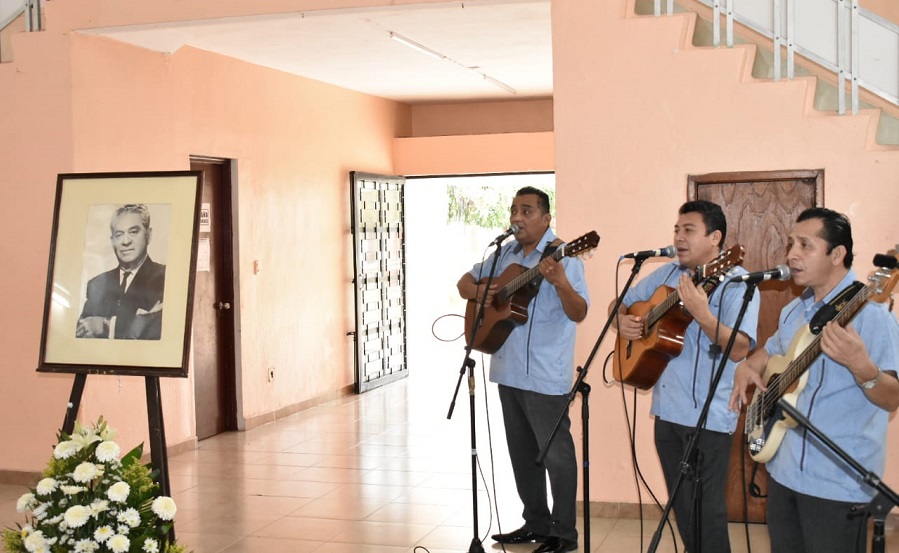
x=383, y=472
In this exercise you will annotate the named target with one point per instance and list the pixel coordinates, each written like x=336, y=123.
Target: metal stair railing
x=860, y=47
x=10, y=11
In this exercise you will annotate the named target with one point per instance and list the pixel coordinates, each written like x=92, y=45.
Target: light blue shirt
x=835, y=404
x=681, y=391
x=538, y=355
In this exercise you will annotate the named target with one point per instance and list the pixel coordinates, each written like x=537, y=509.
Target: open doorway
x=450, y=221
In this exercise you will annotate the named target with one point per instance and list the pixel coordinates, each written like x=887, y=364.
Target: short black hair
x=837, y=231
x=542, y=197
x=712, y=216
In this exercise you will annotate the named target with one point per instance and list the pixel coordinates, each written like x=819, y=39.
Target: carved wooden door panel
x=760, y=208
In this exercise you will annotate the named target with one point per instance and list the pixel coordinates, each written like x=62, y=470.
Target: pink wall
x=887, y=9
x=630, y=128
x=520, y=116
x=83, y=104
x=627, y=131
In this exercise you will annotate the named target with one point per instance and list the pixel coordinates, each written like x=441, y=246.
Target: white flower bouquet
x=91, y=501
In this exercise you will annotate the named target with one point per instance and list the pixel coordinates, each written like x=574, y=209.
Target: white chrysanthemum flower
x=151, y=546
x=86, y=546
x=85, y=472
x=164, y=507
x=40, y=510
x=98, y=506
x=129, y=516
x=64, y=450
x=103, y=533
x=118, y=492
x=107, y=451
x=46, y=486
x=72, y=490
x=118, y=543
x=25, y=502
x=36, y=543
x=77, y=515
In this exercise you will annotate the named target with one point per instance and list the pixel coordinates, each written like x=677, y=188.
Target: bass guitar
x=786, y=375
x=509, y=308
x=641, y=362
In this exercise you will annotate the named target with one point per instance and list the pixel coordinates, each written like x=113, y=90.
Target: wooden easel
x=158, y=455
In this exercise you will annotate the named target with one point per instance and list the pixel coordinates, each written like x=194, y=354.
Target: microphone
x=667, y=251
x=886, y=261
x=509, y=232
x=781, y=272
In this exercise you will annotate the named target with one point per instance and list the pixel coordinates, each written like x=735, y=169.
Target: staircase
x=826, y=98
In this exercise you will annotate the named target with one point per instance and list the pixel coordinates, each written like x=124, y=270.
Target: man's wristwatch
x=868, y=384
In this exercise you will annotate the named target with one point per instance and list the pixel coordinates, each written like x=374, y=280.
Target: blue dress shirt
x=835, y=404
x=539, y=355
x=682, y=389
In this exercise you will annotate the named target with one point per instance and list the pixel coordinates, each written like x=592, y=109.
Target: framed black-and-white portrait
x=120, y=279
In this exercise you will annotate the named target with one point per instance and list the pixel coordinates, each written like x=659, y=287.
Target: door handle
x=223, y=306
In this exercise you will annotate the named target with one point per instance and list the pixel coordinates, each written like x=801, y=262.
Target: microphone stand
x=885, y=499
x=700, y=426
x=584, y=389
x=468, y=363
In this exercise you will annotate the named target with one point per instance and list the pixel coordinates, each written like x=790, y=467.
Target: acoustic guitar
x=787, y=375
x=517, y=287
x=641, y=362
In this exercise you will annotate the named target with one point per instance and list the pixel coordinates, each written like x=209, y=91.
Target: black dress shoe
x=555, y=544
x=518, y=536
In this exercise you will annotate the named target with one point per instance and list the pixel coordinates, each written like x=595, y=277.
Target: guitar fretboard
x=521, y=280
x=781, y=383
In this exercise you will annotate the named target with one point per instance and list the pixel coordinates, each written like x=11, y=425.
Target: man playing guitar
x=534, y=369
x=851, y=389
x=683, y=387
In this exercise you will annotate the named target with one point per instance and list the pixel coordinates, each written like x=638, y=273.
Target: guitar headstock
x=884, y=278
x=582, y=244
x=721, y=264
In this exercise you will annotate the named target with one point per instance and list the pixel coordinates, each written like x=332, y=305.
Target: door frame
x=234, y=419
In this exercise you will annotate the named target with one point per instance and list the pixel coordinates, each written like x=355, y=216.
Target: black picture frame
x=150, y=339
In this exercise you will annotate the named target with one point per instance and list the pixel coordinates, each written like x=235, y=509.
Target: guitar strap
x=547, y=251
x=824, y=315
x=830, y=309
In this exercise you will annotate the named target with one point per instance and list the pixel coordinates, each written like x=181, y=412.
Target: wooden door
x=761, y=208
x=214, y=304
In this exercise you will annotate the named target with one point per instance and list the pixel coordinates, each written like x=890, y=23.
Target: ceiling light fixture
x=437, y=55
x=416, y=46
x=499, y=83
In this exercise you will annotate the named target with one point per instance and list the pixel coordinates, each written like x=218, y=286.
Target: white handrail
x=9, y=12
x=837, y=34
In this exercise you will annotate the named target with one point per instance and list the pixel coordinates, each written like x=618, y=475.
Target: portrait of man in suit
x=125, y=303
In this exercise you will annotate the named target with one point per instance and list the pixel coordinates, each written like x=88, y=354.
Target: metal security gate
x=379, y=259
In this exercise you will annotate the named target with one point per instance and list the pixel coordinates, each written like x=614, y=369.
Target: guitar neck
x=801, y=362
x=518, y=282
x=657, y=312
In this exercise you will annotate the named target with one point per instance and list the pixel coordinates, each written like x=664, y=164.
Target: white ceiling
x=507, y=40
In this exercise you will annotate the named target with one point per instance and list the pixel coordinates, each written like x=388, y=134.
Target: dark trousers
x=708, y=469
x=529, y=418
x=799, y=523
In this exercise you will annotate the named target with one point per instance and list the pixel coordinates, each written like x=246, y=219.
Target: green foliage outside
x=484, y=206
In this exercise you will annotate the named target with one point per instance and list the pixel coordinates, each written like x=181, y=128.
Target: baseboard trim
x=608, y=509
x=272, y=416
